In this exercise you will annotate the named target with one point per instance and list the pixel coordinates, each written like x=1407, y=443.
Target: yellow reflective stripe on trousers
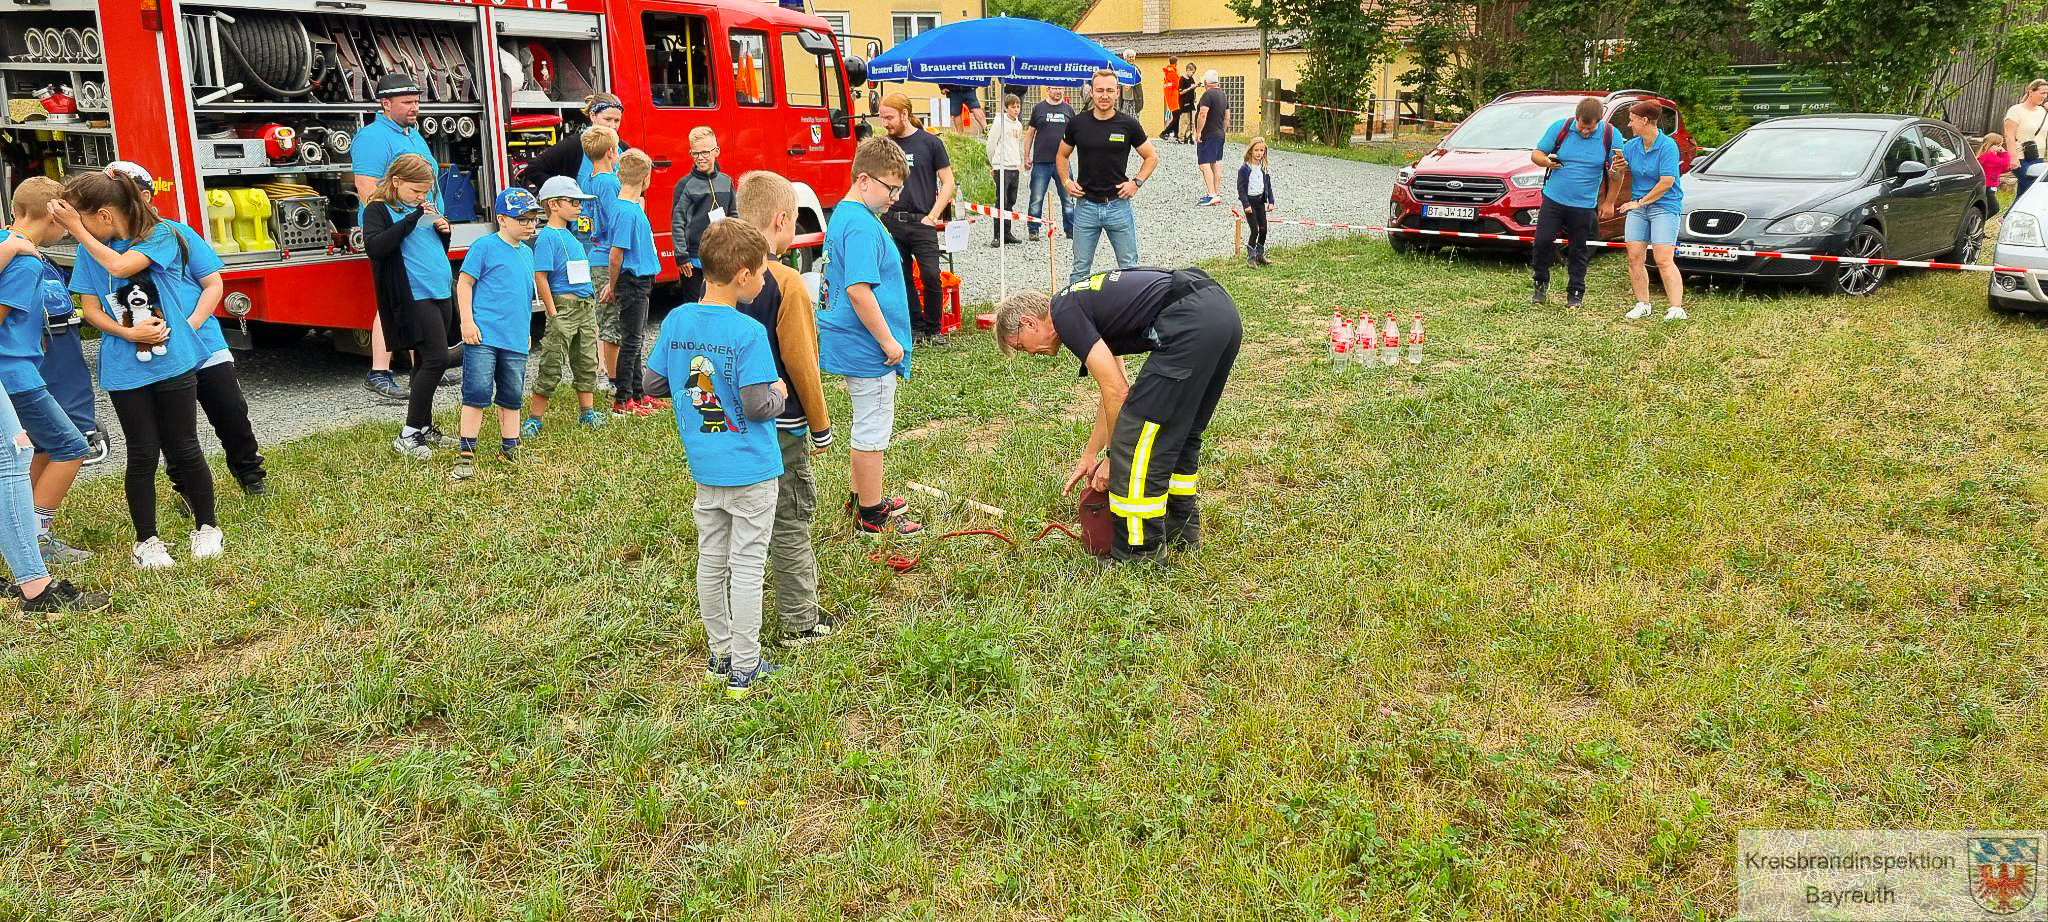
x=1139, y=505
x=1144, y=509
x=1182, y=484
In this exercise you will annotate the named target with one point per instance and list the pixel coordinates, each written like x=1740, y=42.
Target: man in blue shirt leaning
x=1576, y=151
x=393, y=132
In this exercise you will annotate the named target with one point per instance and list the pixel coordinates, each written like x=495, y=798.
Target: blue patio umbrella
x=1024, y=52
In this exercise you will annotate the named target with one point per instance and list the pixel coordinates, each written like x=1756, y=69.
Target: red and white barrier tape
x=1052, y=228
x=1736, y=252
x=1398, y=116
x=1303, y=105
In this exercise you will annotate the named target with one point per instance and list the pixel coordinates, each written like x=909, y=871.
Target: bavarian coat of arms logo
x=2004, y=872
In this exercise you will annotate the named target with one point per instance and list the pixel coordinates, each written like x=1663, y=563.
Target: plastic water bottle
x=1363, y=339
x=1415, y=341
x=1340, y=341
x=1390, y=341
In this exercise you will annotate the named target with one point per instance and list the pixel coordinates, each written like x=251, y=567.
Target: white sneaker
x=1675, y=313
x=1640, y=311
x=206, y=542
x=152, y=555
x=413, y=446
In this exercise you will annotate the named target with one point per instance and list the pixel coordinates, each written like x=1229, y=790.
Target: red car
x=1480, y=178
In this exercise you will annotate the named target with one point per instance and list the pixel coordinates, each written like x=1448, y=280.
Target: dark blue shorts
x=1210, y=150
x=47, y=425
x=484, y=367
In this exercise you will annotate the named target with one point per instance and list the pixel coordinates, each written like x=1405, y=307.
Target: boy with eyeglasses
x=702, y=197
x=864, y=327
x=494, y=296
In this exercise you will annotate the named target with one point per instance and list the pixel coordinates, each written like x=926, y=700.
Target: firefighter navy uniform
x=1192, y=330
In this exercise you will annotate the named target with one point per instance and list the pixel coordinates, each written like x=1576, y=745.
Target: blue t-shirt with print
x=553, y=251
x=426, y=258
x=203, y=261
x=1647, y=165
x=1577, y=183
x=603, y=189
x=626, y=227
x=708, y=352
x=859, y=251
x=168, y=287
x=502, y=300
x=30, y=289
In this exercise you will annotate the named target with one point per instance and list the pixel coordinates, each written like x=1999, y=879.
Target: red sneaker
x=891, y=506
x=656, y=402
x=891, y=525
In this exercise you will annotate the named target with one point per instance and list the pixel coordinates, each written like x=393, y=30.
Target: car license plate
x=1450, y=211
x=1695, y=251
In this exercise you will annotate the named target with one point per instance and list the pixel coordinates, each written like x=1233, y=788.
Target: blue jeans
x=48, y=426
x=1091, y=221
x=483, y=366
x=1042, y=175
x=17, y=504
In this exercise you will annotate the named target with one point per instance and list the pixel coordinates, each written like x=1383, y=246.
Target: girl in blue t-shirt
x=143, y=293
x=407, y=241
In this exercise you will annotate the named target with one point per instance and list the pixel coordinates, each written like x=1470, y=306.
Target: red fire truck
x=244, y=110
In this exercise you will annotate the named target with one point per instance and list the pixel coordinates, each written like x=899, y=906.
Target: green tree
x=1457, y=56
x=1877, y=55
x=1672, y=47
x=1063, y=13
x=1345, y=44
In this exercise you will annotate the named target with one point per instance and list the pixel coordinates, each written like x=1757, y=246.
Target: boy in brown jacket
x=768, y=202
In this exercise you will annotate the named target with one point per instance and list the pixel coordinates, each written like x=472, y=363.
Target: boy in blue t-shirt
x=634, y=264
x=720, y=359
x=864, y=327
x=495, y=297
x=562, y=273
x=601, y=151
x=30, y=288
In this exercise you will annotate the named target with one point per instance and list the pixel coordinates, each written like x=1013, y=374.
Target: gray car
x=2023, y=244
x=1884, y=186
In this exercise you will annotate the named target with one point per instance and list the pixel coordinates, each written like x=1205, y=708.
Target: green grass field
x=1527, y=632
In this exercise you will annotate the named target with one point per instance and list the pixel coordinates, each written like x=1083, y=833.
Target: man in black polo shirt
x=1042, y=136
x=1103, y=138
x=1153, y=428
x=913, y=219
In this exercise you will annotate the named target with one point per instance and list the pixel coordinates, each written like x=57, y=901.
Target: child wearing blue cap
x=494, y=295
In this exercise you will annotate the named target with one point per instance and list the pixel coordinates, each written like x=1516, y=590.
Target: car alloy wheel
x=1858, y=279
x=1970, y=242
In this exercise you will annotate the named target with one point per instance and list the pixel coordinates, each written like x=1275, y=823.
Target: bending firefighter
x=1153, y=427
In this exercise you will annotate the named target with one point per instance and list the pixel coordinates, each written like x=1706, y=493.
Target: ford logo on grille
x=1454, y=184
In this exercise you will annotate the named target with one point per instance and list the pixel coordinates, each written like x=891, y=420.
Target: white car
x=2023, y=244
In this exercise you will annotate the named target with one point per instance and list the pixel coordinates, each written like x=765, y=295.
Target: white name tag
x=715, y=215
x=579, y=272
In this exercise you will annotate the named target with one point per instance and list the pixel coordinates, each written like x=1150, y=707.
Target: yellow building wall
x=1282, y=66
x=1114, y=16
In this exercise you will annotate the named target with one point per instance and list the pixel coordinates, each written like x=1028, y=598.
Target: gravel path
x=1174, y=231
x=310, y=387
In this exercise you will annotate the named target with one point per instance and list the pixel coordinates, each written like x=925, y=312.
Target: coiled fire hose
x=272, y=49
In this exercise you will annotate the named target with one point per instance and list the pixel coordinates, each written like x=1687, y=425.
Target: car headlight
x=1527, y=180
x=1404, y=174
x=1805, y=222
x=2021, y=229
